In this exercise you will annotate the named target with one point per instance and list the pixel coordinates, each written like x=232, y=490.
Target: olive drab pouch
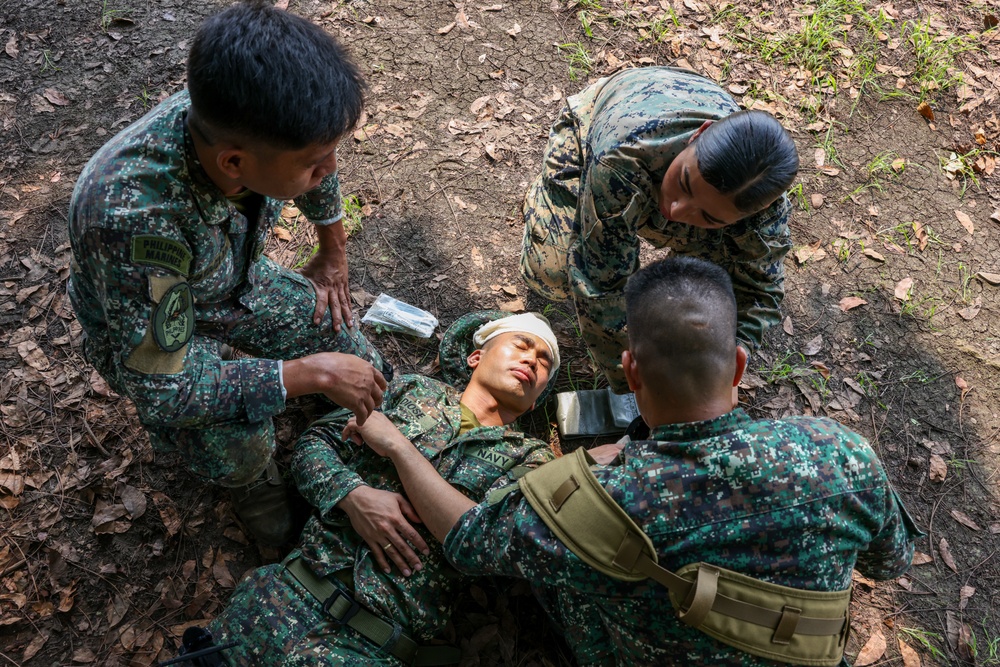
x=764, y=619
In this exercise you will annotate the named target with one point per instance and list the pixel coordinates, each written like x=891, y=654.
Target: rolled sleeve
x=322, y=205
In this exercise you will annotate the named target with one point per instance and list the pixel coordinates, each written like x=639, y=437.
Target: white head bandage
x=530, y=323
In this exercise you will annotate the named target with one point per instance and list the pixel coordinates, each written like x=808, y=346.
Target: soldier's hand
x=378, y=432
x=605, y=454
x=384, y=519
x=327, y=271
x=348, y=381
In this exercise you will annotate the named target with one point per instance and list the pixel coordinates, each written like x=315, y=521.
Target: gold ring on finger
x=387, y=547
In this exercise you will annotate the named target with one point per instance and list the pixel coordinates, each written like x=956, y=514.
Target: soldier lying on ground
x=277, y=614
x=798, y=502
x=168, y=222
x=664, y=155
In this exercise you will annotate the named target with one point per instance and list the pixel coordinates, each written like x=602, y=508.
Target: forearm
x=318, y=466
x=332, y=238
x=437, y=502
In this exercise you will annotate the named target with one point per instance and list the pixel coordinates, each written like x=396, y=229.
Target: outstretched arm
x=437, y=502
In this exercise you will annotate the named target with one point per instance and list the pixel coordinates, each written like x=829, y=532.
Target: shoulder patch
x=162, y=252
x=173, y=319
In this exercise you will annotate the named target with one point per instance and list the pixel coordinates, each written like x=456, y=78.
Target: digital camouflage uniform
x=164, y=269
x=277, y=622
x=598, y=193
x=799, y=502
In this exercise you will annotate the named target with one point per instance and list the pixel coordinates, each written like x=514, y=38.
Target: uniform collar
x=730, y=421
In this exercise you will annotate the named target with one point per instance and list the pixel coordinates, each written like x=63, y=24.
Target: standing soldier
x=168, y=222
x=665, y=155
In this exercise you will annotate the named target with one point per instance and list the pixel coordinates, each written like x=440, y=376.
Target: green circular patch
x=173, y=319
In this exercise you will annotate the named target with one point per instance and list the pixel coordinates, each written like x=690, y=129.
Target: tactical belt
x=344, y=609
x=806, y=627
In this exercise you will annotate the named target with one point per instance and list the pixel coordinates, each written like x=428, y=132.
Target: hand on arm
x=348, y=381
x=383, y=518
x=328, y=273
x=437, y=502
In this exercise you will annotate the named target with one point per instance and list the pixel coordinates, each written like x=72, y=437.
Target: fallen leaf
x=849, y=302
x=903, y=288
x=946, y=556
x=366, y=132
x=513, y=32
x=938, y=468
x=966, y=221
x=54, y=96
x=920, y=558
x=995, y=215
x=963, y=385
x=971, y=311
x=34, y=646
x=898, y=164
x=925, y=110
x=787, y=326
x=813, y=346
x=922, y=237
x=872, y=651
x=282, y=233
x=877, y=256
x=116, y=610
x=84, y=655
x=477, y=258
x=446, y=29
x=829, y=171
x=980, y=137
x=812, y=252
x=134, y=501
x=963, y=596
x=491, y=150
x=991, y=278
x=910, y=657
x=11, y=47
x=515, y=306
x=964, y=519
x=966, y=643
x=820, y=156
x=168, y=513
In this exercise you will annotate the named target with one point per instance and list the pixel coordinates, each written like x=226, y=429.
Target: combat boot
x=263, y=507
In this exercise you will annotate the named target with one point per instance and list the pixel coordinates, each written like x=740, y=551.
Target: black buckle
x=352, y=611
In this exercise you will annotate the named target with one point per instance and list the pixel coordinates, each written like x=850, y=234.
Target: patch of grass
x=109, y=16
x=792, y=365
x=580, y=60
x=989, y=653
x=842, y=247
x=920, y=376
x=48, y=64
x=352, y=214
x=965, y=276
x=797, y=192
x=926, y=639
x=660, y=27
x=885, y=166
x=962, y=166
x=934, y=56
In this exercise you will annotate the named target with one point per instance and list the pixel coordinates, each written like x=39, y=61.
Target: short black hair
x=750, y=156
x=267, y=75
x=681, y=317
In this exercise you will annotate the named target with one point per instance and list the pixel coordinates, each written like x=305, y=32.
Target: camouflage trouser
x=278, y=623
x=277, y=325
x=550, y=224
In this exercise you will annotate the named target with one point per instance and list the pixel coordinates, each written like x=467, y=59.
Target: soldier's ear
x=473, y=359
x=231, y=161
x=741, y=364
x=631, y=371
x=697, y=133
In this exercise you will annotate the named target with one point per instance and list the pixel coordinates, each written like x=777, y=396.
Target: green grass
x=926, y=640
x=934, y=56
x=109, y=16
x=580, y=60
x=785, y=368
x=352, y=214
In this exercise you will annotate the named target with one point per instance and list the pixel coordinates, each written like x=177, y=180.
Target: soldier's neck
x=486, y=408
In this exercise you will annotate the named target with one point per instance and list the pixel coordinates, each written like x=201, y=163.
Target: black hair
x=681, y=315
x=749, y=156
x=267, y=75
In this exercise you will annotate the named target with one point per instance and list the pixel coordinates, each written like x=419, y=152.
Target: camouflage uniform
x=798, y=502
x=164, y=269
x=277, y=622
x=598, y=193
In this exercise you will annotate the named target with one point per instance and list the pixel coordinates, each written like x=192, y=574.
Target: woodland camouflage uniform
x=165, y=268
x=799, y=502
x=598, y=194
x=277, y=622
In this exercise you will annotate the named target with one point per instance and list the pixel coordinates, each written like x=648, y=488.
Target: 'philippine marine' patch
x=173, y=319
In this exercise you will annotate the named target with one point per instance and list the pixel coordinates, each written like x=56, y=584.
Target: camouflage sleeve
x=612, y=207
x=321, y=464
x=755, y=255
x=199, y=391
x=322, y=205
x=890, y=553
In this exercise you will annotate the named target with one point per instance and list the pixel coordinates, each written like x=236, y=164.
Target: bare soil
x=107, y=553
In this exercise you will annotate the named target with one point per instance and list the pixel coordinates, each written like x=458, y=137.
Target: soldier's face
x=514, y=367
x=686, y=197
x=285, y=174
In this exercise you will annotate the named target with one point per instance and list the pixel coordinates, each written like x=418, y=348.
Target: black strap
x=344, y=609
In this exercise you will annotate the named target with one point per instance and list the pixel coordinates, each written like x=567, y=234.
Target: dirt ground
x=107, y=553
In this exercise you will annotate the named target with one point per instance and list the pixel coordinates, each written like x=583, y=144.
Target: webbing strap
x=703, y=591
x=343, y=608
